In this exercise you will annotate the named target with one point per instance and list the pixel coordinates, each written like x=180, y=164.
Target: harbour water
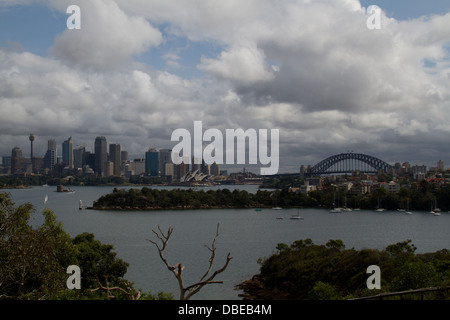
x=246, y=233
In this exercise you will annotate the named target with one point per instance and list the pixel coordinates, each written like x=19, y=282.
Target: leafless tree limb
x=189, y=291
x=108, y=290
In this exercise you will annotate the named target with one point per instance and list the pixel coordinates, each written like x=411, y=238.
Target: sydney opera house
x=194, y=176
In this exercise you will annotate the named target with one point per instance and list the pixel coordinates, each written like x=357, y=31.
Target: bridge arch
x=347, y=163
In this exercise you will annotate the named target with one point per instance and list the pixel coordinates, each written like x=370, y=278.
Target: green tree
x=97, y=262
x=323, y=291
x=34, y=261
x=415, y=275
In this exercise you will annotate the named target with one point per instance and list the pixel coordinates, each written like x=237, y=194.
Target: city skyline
x=137, y=71
x=114, y=153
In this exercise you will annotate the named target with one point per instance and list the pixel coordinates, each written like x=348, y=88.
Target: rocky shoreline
x=16, y=187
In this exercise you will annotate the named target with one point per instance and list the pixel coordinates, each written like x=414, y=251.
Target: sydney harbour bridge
x=346, y=163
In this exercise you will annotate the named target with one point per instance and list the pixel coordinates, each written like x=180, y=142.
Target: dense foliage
x=305, y=270
x=34, y=261
x=418, y=196
x=147, y=198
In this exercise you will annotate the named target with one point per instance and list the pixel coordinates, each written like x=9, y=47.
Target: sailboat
x=334, y=209
x=407, y=207
x=345, y=205
x=297, y=217
x=436, y=211
x=379, y=209
x=46, y=199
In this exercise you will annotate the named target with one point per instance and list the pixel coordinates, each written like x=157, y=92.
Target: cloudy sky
x=139, y=69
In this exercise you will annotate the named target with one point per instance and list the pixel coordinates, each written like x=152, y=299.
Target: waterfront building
x=391, y=187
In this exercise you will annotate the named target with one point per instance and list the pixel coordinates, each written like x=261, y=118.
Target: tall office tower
x=215, y=169
x=89, y=159
x=152, y=162
x=51, y=144
x=51, y=155
x=67, y=149
x=101, y=156
x=205, y=168
x=180, y=170
x=123, y=161
x=165, y=157
x=16, y=160
x=114, y=157
x=123, y=156
x=78, y=156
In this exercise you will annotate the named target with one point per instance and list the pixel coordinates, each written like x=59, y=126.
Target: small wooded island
x=418, y=197
x=157, y=199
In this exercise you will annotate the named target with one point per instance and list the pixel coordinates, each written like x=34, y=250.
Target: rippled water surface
x=245, y=233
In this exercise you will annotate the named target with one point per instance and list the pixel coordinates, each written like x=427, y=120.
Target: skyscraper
x=51, y=155
x=67, y=147
x=16, y=160
x=101, y=156
x=123, y=156
x=123, y=160
x=114, y=156
x=215, y=169
x=165, y=157
x=79, y=156
x=152, y=162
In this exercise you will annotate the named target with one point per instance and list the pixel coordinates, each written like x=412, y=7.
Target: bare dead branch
x=213, y=254
x=108, y=290
x=177, y=269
